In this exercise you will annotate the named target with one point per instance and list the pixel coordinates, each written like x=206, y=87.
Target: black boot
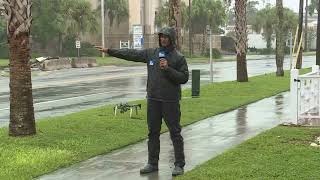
x=177, y=171
x=149, y=168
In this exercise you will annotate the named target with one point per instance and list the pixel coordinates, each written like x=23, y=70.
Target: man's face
x=164, y=40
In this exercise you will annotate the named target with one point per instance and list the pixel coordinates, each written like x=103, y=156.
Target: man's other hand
x=163, y=63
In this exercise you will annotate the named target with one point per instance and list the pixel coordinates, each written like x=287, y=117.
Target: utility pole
x=209, y=32
x=102, y=25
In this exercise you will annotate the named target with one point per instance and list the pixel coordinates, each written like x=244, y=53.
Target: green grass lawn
x=310, y=53
x=62, y=141
x=108, y=61
x=4, y=62
x=279, y=153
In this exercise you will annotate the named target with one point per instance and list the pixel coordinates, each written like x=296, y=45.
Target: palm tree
x=175, y=19
x=18, y=15
x=116, y=10
x=78, y=18
x=299, y=62
x=267, y=20
x=241, y=40
x=306, y=28
x=280, y=39
x=264, y=21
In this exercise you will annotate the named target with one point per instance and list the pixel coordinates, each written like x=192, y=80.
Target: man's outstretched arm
x=127, y=54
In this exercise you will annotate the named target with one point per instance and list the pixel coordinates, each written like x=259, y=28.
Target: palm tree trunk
x=241, y=40
x=18, y=15
x=280, y=40
x=204, y=43
x=175, y=20
x=306, y=47
x=318, y=36
x=190, y=30
x=60, y=43
x=269, y=42
x=299, y=62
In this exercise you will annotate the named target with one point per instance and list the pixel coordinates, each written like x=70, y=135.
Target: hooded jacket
x=162, y=85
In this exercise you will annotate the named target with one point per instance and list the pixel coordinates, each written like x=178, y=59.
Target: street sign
x=78, y=44
x=208, y=28
x=137, y=31
x=124, y=44
x=137, y=39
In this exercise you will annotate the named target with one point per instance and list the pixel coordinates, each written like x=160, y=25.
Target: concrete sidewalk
x=203, y=141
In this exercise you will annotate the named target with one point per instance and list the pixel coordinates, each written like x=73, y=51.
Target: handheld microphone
x=162, y=54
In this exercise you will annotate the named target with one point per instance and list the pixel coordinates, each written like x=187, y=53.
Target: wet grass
x=111, y=61
x=62, y=141
x=279, y=153
x=4, y=63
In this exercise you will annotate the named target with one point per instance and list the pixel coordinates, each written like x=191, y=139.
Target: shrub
x=216, y=54
x=86, y=49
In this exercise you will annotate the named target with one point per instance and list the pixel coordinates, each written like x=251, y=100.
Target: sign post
x=78, y=46
x=124, y=44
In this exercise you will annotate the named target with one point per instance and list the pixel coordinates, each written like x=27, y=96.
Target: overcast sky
x=292, y=4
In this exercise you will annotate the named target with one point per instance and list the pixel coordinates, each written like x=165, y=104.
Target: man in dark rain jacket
x=167, y=70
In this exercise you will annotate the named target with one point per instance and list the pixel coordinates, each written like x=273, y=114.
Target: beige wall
x=95, y=3
x=134, y=13
x=150, y=9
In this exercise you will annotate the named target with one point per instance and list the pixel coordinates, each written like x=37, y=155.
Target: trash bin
x=195, y=83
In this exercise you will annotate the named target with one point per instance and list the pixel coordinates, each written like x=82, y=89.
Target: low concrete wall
x=55, y=64
x=83, y=62
x=66, y=63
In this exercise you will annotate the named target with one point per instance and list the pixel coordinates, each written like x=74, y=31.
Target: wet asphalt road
x=71, y=90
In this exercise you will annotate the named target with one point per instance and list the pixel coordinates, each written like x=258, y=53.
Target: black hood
x=171, y=33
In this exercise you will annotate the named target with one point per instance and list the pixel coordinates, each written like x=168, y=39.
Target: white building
x=141, y=12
